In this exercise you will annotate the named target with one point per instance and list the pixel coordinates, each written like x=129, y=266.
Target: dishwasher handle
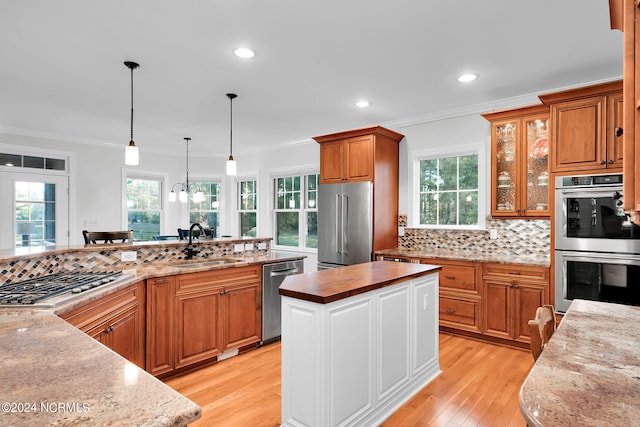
x=286, y=272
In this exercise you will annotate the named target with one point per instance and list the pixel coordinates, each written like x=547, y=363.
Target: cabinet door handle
x=618, y=131
x=450, y=277
x=602, y=162
x=224, y=292
x=108, y=330
x=609, y=162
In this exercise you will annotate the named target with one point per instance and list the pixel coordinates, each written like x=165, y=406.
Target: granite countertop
x=533, y=260
x=54, y=374
x=47, y=362
x=589, y=372
x=326, y=286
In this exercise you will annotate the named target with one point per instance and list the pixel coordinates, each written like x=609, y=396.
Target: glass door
x=505, y=172
x=537, y=161
x=38, y=214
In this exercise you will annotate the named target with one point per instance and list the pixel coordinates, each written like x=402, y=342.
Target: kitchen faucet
x=190, y=251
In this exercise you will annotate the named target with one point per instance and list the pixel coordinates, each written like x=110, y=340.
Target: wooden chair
x=541, y=328
x=101, y=237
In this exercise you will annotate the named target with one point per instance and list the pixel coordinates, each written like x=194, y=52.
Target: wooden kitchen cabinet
x=625, y=16
x=197, y=316
x=160, y=325
x=520, y=162
x=367, y=154
x=116, y=320
x=512, y=295
x=586, y=126
x=460, y=294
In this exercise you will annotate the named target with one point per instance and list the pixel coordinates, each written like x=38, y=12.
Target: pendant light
x=231, y=163
x=185, y=187
x=131, y=155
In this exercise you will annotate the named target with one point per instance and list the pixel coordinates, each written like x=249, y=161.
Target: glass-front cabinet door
x=506, y=152
x=519, y=165
x=537, y=161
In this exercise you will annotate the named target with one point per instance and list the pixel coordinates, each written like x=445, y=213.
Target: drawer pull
x=517, y=273
x=450, y=277
x=159, y=281
x=450, y=311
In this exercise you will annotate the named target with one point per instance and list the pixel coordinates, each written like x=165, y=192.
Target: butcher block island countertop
x=326, y=286
x=589, y=372
x=55, y=375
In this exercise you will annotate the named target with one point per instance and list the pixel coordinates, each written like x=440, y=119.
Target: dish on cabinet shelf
x=540, y=148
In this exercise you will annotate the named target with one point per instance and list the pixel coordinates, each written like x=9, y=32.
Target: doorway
x=37, y=212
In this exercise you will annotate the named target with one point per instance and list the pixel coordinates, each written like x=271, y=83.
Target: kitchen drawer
x=516, y=272
x=224, y=277
x=460, y=314
x=457, y=277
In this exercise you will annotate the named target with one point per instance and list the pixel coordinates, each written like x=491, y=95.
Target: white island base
x=354, y=361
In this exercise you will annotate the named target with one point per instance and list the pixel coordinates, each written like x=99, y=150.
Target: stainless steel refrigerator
x=345, y=224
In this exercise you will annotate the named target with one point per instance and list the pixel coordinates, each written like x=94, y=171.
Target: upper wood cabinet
x=586, y=128
x=625, y=16
x=366, y=154
x=520, y=162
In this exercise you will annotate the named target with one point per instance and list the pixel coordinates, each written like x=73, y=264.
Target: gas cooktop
x=42, y=291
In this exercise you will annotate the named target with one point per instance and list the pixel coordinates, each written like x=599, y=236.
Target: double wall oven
x=597, y=248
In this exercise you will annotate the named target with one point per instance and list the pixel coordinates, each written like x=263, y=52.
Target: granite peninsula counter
x=54, y=374
x=357, y=341
x=589, y=372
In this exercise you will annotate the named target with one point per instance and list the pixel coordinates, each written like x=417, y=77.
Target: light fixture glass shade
x=131, y=155
x=198, y=197
x=172, y=196
x=231, y=166
x=183, y=196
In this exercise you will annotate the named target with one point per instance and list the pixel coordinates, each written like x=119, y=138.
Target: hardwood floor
x=478, y=386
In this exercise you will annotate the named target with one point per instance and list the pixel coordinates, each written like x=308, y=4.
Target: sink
x=206, y=263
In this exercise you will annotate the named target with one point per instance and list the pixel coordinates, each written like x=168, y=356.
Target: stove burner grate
x=39, y=288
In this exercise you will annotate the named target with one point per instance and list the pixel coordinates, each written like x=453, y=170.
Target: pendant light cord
x=132, y=103
x=187, y=139
x=231, y=126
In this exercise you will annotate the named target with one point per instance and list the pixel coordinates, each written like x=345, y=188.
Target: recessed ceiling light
x=244, y=53
x=466, y=78
x=362, y=104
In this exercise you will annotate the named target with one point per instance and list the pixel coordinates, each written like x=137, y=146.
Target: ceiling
x=63, y=75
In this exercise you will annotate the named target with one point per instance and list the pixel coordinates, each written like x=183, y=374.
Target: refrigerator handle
x=345, y=223
x=337, y=222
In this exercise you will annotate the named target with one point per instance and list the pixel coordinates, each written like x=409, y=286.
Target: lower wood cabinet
x=490, y=300
x=460, y=302
x=512, y=295
x=116, y=320
x=197, y=316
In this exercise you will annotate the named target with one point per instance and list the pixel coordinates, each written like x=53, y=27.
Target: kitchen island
x=589, y=372
x=357, y=342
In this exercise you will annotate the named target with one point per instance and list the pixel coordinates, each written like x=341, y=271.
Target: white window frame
x=302, y=211
x=208, y=179
x=238, y=203
x=456, y=151
x=150, y=175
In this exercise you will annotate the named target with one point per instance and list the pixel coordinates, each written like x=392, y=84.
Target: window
x=448, y=191
x=296, y=211
x=248, y=207
x=207, y=212
x=144, y=203
x=35, y=213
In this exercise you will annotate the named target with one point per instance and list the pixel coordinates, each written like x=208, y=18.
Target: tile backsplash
x=530, y=238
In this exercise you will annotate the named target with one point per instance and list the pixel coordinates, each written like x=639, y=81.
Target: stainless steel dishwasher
x=272, y=276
